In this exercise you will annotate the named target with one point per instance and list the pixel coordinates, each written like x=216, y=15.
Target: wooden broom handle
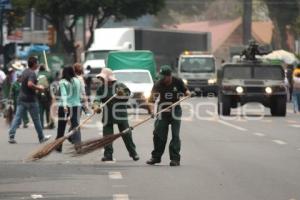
x=87, y=119
x=156, y=114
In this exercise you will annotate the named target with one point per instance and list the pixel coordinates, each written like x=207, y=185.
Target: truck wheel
x=224, y=105
x=278, y=106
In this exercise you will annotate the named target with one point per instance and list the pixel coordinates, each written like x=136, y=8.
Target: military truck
x=252, y=81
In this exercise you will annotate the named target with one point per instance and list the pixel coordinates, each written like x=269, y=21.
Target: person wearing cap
x=27, y=100
x=115, y=112
x=169, y=89
x=14, y=93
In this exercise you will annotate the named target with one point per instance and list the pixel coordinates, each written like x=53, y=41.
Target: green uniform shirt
x=168, y=94
x=15, y=90
x=116, y=110
x=70, y=92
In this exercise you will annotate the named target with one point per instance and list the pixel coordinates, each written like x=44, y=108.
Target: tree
x=63, y=15
x=282, y=13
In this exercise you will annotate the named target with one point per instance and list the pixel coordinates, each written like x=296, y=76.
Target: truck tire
x=224, y=105
x=278, y=106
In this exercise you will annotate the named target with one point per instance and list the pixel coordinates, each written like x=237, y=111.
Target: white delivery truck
x=165, y=44
x=198, y=71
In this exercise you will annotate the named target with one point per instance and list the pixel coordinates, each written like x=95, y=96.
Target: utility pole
x=247, y=21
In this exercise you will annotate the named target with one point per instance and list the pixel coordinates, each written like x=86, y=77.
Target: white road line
x=226, y=123
x=291, y=121
x=280, y=142
x=295, y=125
x=115, y=175
x=259, y=134
x=120, y=197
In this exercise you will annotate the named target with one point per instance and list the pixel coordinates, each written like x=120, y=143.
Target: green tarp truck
x=144, y=60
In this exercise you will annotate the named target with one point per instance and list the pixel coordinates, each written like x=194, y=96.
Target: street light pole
x=247, y=21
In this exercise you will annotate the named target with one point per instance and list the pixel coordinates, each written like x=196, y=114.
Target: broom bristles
x=46, y=149
x=95, y=144
x=10, y=115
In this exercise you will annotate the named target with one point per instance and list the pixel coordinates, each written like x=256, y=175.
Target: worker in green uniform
x=14, y=93
x=115, y=112
x=169, y=89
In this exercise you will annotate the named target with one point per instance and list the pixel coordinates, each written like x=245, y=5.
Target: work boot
x=12, y=141
x=25, y=125
x=174, y=163
x=153, y=161
x=135, y=157
x=106, y=159
x=46, y=138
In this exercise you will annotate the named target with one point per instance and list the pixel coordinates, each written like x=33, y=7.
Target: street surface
x=253, y=157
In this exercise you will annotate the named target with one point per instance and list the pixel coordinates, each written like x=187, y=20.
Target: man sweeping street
x=27, y=101
x=169, y=89
x=115, y=112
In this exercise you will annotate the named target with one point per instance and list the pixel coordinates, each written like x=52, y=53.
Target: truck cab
x=198, y=71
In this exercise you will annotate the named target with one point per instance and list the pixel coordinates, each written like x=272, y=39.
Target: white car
x=140, y=84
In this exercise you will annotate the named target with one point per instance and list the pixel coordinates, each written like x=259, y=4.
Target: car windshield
x=197, y=65
x=268, y=72
x=133, y=77
x=237, y=72
x=96, y=55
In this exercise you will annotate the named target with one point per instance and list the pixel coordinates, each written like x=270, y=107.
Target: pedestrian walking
x=2, y=79
x=44, y=97
x=69, y=105
x=115, y=112
x=84, y=100
x=296, y=89
x=14, y=93
x=28, y=101
x=169, y=89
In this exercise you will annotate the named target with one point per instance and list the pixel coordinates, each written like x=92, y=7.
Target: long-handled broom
x=49, y=147
x=94, y=144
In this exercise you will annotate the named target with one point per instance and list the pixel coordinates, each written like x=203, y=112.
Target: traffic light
x=51, y=36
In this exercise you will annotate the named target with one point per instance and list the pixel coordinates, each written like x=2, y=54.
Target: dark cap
x=165, y=70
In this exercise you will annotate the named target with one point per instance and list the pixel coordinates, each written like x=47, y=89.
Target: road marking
x=259, y=134
x=120, y=197
x=226, y=123
x=295, y=125
x=290, y=121
x=115, y=175
x=280, y=142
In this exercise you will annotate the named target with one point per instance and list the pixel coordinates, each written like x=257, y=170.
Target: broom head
x=46, y=149
x=94, y=144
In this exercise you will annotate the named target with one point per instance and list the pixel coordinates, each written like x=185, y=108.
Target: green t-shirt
x=116, y=110
x=70, y=92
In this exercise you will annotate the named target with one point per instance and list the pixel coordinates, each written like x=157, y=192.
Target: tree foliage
x=283, y=13
x=63, y=15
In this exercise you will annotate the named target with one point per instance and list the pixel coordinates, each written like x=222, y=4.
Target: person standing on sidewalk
x=69, y=105
x=169, y=89
x=28, y=101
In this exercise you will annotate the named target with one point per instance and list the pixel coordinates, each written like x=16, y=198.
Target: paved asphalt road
x=249, y=157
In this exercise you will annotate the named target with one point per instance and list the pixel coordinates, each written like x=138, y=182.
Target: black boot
x=174, y=163
x=153, y=161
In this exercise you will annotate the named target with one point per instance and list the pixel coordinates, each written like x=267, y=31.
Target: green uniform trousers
x=160, y=136
x=108, y=129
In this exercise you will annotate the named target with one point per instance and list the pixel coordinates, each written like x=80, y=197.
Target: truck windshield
x=197, y=65
x=96, y=55
x=133, y=77
x=266, y=72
